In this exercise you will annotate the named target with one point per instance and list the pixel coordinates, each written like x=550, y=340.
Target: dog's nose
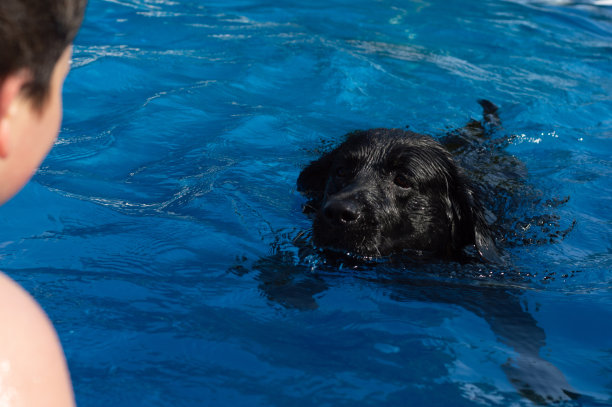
x=341, y=212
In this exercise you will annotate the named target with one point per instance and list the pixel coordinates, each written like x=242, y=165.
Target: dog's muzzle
x=341, y=212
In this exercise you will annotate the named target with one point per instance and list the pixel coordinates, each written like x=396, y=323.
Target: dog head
x=387, y=191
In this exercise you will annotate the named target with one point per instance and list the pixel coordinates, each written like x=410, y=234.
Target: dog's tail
x=489, y=113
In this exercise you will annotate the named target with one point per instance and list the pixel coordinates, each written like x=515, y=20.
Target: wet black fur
x=388, y=191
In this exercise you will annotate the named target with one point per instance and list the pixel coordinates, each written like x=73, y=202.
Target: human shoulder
x=33, y=369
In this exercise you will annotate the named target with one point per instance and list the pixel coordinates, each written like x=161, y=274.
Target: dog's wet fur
x=392, y=191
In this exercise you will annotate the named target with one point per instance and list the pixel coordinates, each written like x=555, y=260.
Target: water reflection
x=498, y=300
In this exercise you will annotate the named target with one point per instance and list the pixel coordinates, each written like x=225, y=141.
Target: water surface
x=149, y=233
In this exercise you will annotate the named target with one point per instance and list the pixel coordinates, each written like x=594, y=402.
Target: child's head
x=33, y=36
x=35, y=47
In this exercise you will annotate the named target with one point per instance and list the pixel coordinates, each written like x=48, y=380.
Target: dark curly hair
x=33, y=36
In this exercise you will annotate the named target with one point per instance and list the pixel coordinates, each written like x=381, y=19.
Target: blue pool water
x=148, y=232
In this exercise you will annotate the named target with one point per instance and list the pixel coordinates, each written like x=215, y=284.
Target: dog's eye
x=401, y=181
x=342, y=172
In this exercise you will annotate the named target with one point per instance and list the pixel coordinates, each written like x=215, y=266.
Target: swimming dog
x=389, y=191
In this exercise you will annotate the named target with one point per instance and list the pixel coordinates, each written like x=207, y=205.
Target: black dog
x=389, y=191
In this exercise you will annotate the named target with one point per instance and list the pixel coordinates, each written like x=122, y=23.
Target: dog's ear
x=467, y=217
x=313, y=179
x=483, y=239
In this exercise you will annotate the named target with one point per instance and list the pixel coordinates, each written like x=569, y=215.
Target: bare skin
x=33, y=370
x=26, y=134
